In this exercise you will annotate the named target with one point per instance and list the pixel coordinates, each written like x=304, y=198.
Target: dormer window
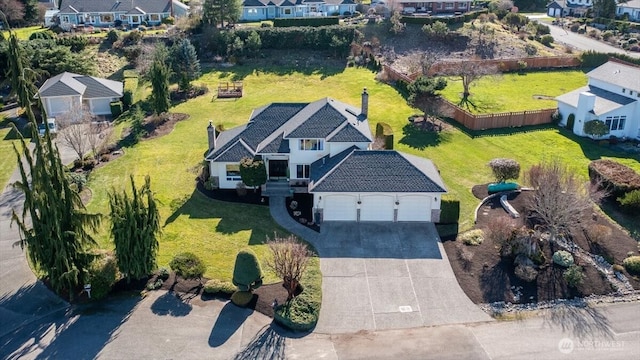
x=311, y=144
x=624, y=90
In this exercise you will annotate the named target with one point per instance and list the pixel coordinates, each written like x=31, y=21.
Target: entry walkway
x=379, y=276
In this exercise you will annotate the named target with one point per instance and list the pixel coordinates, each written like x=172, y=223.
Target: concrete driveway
x=379, y=276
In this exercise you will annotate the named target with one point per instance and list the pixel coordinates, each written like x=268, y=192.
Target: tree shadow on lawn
x=582, y=321
x=229, y=320
x=56, y=335
x=234, y=217
x=420, y=139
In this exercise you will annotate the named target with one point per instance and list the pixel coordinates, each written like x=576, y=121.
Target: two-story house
x=256, y=10
x=105, y=13
x=436, y=7
x=630, y=8
x=612, y=95
x=560, y=8
x=324, y=147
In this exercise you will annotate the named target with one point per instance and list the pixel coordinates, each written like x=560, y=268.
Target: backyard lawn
x=8, y=159
x=514, y=92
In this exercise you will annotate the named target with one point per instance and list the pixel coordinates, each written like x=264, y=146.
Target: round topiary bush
x=472, y=237
x=247, y=273
x=632, y=264
x=103, y=274
x=573, y=276
x=563, y=258
x=242, y=298
x=215, y=286
x=187, y=265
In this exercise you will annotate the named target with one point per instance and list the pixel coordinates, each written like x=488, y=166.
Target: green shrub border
x=449, y=210
x=321, y=21
x=306, y=305
x=384, y=131
x=447, y=20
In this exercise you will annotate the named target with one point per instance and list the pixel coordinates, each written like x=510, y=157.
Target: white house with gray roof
x=631, y=8
x=68, y=91
x=256, y=10
x=105, y=13
x=612, y=95
x=323, y=148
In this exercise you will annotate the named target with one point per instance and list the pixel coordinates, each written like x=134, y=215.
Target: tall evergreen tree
x=605, y=8
x=135, y=225
x=185, y=63
x=216, y=12
x=159, y=75
x=56, y=236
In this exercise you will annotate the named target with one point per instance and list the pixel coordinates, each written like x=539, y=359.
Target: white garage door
x=58, y=106
x=101, y=107
x=414, y=208
x=340, y=208
x=376, y=208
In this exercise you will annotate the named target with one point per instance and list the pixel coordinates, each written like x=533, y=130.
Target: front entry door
x=278, y=169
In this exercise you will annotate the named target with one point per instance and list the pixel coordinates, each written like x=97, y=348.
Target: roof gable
x=377, y=171
x=612, y=72
x=235, y=152
x=120, y=6
x=348, y=133
x=320, y=124
x=70, y=84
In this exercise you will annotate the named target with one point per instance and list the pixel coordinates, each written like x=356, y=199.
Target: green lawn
x=514, y=92
x=7, y=160
x=23, y=33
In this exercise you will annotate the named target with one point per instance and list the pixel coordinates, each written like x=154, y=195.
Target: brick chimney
x=364, y=109
x=211, y=132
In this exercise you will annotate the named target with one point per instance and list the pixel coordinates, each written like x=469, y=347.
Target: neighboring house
x=560, y=8
x=631, y=8
x=67, y=91
x=436, y=7
x=612, y=95
x=256, y=10
x=111, y=12
x=322, y=148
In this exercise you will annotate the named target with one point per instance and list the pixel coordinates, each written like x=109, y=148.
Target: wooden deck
x=230, y=90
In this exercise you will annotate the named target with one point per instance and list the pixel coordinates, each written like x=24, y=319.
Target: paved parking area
x=379, y=276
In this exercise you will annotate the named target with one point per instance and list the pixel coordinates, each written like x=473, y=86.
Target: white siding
x=339, y=208
x=414, y=208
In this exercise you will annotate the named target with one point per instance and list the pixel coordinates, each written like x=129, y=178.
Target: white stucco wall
x=220, y=170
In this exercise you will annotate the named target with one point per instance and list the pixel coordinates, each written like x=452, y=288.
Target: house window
x=154, y=17
x=106, y=18
x=615, y=122
x=65, y=19
x=287, y=11
x=252, y=11
x=448, y=5
x=233, y=172
x=302, y=171
x=624, y=90
x=311, y=144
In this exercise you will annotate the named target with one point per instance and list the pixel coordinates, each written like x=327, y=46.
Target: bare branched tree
x=469, y=72
x=289, y=262
x=74, y=126
x=97, y=136
x=559, y=199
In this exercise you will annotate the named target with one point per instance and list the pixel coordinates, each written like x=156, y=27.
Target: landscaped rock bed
x=301, y=210
x=231, y=195
x=486, y=277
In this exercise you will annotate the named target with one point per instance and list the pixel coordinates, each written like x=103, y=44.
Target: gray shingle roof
x=348, y=133
x=268, y=121
x=235, y=152
x=626, y=76
x=279, y=145
x=377, y=171
x=70, y=84
x=258, y=3
x=606, y=101
x=119, y=6
x=319, y=125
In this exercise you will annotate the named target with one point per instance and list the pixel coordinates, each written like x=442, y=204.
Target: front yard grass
x=515, y=92
x=8, y=159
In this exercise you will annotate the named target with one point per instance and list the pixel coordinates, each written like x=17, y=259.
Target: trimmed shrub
x=632, y=264
x=596, y=128
x=597, y=233
x=169, y=20
x=573, y=276
x=103, y=274
x=615, y=177
x=385, y=132
x=472, y=237
x=163, y=273
x=247, y=274
x=449, y=211
x=630, y=202
x=546, y=40
x=215, y=286
x=563, y=258
x=112, y=36
x=187, y=265
x=301, y=313
x=571, y=120
x=44, y=35
x=504, y=169
x=116, y=108
x=127, y=98
x=242, y=298
x=312, y=21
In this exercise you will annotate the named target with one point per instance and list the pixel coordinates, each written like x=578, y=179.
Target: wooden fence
x=506, y=65
x=497, y=120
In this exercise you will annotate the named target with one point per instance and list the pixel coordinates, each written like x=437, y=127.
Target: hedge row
x=319, y=38
x=615, y=177
x=428, y=20
x=610, y=23
x=449, y=211
x=301, y=313
x=592, y=59
x=315, y=21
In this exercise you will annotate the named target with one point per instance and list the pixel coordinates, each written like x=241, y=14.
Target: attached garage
x=101, y=106
x=340, y=208
x=414, y=208
x=376, y=208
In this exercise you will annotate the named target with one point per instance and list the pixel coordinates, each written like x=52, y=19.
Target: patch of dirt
x=156, y=126
x=430, y=123
x=488, y=277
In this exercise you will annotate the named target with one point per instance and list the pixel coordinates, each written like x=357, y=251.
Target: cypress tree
x=159, y=75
